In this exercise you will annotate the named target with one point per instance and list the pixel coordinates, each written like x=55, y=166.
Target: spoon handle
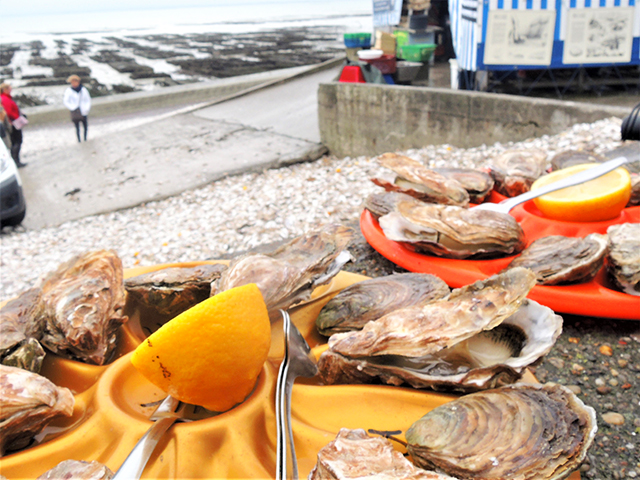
x=576, y=179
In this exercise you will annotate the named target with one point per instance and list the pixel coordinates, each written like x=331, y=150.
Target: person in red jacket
x=12, y=112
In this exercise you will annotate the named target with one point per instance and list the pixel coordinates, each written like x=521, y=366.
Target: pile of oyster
x=480, y=336
x=525, y=432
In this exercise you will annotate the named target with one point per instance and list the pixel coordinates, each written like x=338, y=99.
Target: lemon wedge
x=600, y=199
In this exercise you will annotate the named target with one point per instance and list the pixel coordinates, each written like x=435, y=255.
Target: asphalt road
x=182, y=149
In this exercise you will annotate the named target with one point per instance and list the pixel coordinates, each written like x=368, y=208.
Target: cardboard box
x=385, y=42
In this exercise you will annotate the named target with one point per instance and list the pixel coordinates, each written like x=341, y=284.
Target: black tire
x=15, y=220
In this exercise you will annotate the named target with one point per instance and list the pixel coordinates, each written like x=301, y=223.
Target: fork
x=581, y=177
x=165, y=415
x=298, y=361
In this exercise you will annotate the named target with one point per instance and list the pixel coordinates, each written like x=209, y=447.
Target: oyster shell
x=290, y=273
x=171, y=291
x=78, y=470
x=370, y=299
x=355, y=455
x=515, y=170
x=569, y=158
x=478, y=184
x=21, y=326
x=522, y=432
x=559, y=260
x=381, y=203
x=623, y=261
x=450, y=231
x=28, y=402
x=416, y=180
x=84, y=299
x=484, y=335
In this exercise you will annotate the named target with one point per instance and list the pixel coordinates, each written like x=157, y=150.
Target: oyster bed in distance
x=598, y=359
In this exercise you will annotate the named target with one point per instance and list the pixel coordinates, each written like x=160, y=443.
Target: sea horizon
x=222, y=17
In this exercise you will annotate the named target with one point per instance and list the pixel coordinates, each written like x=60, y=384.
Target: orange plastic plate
x=594, y=299
x=113, y=406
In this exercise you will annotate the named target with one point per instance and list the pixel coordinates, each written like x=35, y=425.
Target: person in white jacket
x=78, y=101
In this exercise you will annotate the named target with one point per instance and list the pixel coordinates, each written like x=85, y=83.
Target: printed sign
x=386, y=12
x=519, y=37
x=598, y=35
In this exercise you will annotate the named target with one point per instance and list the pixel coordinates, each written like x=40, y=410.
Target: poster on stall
x=519, y=37
x=599, y=35
x=386, y=12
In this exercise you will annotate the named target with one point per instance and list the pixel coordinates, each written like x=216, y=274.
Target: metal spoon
x=581, y=177
x=165, y=415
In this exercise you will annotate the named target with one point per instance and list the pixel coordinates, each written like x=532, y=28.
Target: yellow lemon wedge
x=212, y=354
x=602, y=198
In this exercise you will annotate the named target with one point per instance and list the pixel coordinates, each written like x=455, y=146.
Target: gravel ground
x=599, y=359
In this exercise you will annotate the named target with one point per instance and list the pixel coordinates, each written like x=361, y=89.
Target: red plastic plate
x=594, y=299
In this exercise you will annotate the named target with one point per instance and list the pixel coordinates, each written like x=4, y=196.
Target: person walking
x=13, y=112
x=5, y=128
x=78, y=100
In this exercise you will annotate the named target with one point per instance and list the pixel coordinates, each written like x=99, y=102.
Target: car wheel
x=15, y=220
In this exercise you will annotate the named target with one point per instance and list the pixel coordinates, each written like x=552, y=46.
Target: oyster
x=515, y=170
x=482, y=336
x=569, y=158
x=452, y=232
x=78, y=470
x=478, y=184
x=21, y=326
x=370, y=299
x=559, y=260
x=84, y=299
x=381, y=203
x=28, y=402
x=624, y=257
x=520, y=432
x=290, y=273
x=355, y=455
x=415, y=179
x=171, y=291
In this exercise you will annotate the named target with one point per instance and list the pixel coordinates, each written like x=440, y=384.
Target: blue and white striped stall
x=538, y=34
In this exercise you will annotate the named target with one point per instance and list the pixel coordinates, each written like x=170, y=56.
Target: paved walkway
x=269, y=127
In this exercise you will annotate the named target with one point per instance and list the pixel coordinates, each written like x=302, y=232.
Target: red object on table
x=595, y=298
x=386, y=63
x=352, y=74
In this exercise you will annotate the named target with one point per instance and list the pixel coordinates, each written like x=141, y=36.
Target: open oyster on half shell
x=290, y=273
x=514, y=171
x=22, y=325
x=522, y=432
x=447, y=230
x=371, y=299
x=624, y=257
x=478, y=184
x=415, y=179
x=480, y=336
x=173, y=290
x=569, y=158
x=560, y=260
x=78, y=470
x=83, y=304
x=28, y=402
x=355, y=455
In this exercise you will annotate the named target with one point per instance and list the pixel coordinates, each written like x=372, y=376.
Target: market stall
x=495, y=38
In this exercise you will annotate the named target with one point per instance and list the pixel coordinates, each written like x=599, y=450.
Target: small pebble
x=606, y=350
x=613, y=418
x=622, y=362
x=575, y=389
x=613, y=382
x=577, y=369
x=603, y=390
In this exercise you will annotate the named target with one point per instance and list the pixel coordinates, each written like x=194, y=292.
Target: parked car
x=13, y=207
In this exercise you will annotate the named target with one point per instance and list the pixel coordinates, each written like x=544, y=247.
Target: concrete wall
x=369, y=119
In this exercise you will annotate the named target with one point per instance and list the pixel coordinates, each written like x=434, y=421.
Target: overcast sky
x=33, y=7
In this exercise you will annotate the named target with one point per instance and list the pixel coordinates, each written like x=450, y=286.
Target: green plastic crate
x=402, y=37
x=357, y=40
x=417, y=52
